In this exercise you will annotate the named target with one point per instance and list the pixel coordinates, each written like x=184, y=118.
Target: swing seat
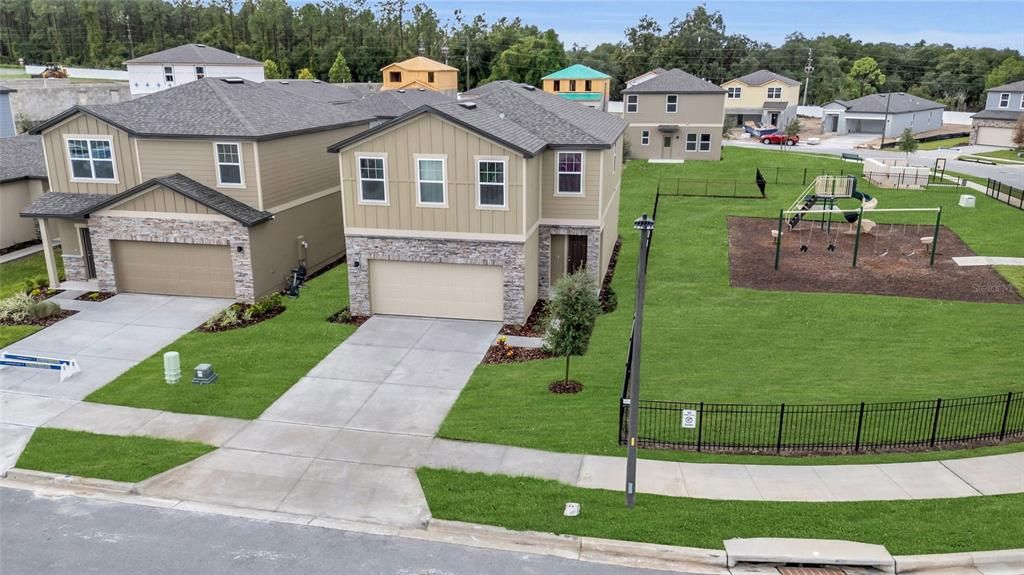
x=927, y=240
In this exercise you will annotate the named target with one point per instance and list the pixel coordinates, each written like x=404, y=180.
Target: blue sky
x=997, y=24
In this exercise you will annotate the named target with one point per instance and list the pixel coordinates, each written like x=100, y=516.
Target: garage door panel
x=174, y=269
x=991, y=136
x=436, y=290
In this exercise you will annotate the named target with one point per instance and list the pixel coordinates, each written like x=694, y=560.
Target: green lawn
x=256, y=364
x=1002, y=155
x=706, y=341
x=949, y=143
x=904, y=527
x=113, y=457
x=12, y=280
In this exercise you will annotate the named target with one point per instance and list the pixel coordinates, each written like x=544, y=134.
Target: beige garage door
x=436, y=290
x=989, y=136
x=175, y=269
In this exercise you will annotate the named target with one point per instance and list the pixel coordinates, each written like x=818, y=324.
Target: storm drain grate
x=810, y=571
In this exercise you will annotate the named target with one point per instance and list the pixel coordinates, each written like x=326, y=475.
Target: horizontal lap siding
x=57, y=156
x=299, y=166
x=195, y=159
x=576, y=208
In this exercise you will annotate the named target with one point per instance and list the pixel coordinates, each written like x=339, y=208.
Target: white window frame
x=359, y=180
x=701, y=142
x=673, y=101
x=503, y=160
x=615, y=157
x=200, y=72
x=169, y=76
x=775, y=90
x=1022, y=101
x=645, y=137
x=582, y=173
x=90, y=138
x=635, y=103
x=417, y=158
x=217, y=164
x=696, y=142
x=734, y=93
x=1004, y=100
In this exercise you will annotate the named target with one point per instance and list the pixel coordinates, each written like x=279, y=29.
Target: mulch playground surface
x=891, y=261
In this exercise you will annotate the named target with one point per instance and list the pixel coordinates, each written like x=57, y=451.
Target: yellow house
x=762, y=96
x=581, y=84
x=420, y=72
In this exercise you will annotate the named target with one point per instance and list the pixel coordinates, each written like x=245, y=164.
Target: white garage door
x=174, y=269
x=989, y=136
x=436, y=290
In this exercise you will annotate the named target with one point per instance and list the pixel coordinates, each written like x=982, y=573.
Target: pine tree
x=305, y=74
x=339, y=71
x=270, y=70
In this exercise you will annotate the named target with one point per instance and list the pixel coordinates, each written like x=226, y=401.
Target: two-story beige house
x=472, y=209
x=762, y=96
x=215, y=188
x=674, y=116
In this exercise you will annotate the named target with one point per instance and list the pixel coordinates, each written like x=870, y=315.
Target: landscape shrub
x=43, y=310
x=16, y=308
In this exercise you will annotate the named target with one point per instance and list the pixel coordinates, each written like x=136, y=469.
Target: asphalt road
x=40, y=535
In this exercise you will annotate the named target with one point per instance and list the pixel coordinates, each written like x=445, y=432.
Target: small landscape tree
x=907, y=144
x=305, y=74
x=792, y=128
x=572, y=312
x=339, y=71
x=1018, y=134
x=270, y=70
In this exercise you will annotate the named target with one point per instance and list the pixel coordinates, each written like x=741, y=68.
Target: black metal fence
x=713, y=188
x=1007, y=194
x=896, y=181
x=826, y=428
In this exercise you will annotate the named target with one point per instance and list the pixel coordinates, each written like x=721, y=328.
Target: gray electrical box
x=203, y=374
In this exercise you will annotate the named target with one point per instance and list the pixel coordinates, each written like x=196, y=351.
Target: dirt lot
x=891, y=261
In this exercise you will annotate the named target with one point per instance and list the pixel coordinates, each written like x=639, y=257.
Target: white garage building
x=892, y=113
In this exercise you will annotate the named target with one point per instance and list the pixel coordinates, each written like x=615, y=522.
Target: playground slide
x=867, y=201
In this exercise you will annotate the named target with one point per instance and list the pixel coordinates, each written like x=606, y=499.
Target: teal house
x=581, y=84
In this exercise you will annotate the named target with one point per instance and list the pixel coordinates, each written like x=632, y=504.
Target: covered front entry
x=173, y=269
x=462, y=291
x=993, y=136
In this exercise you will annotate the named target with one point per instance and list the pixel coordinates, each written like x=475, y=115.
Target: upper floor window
x=490, y=184
x=587, y=85
x=632, y=103
x=373, y=185
x=570, y=173
x=774, y=93
x=558, y=85
x=430, y=181
x=395, y=76
x=671, y=103
x=1004, y=100
x=229, y=164
x=200, y=72
x=168, y=74
x=734, y=93
x=91, y=159
x=430, y=77
x=645, y=137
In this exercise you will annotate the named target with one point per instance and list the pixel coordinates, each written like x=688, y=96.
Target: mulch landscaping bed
x=96, y=296
x=343, y=317
x=214, y=328
x=534, y=326
x=609, y=301
x=891, y=261
x=571, y=386
x=19, y=246
x=64, y=313
x=499, y=353
x=43, y=296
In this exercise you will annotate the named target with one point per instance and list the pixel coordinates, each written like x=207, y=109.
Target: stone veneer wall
x=975, y=124
x=74, y=268
x=510, y=256
x=544, y=254
x=209, y=232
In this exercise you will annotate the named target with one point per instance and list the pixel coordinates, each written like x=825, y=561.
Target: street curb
x=1005, y=560
x=34, y=477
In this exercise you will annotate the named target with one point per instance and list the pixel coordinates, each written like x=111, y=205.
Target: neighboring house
x=188, y=63
x=473, y=208
x=7, y=127
x=893, y=111
x=393, y=103
x=22, y=180
x=420, y=72
x=762, y=96
x=644, y=77
x=674, y=116
x=580, y=83
x=216, y=188
x=36, y=100
x=993, y=126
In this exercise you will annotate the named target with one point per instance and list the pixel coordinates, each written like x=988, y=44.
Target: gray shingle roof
x=6, y=90
x=394, y=103
x=901, y=103
x=320, y=91
x=774, y=105
x=194, y=54
x=1011, y=87
x=21, y=157
x=674, y=81
x=64, y=205
x=1008, y=115
x=761, y=77
x=218, y=107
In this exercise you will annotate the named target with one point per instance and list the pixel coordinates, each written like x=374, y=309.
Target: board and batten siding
x=571, y=207
x=298, y=166
x=612, y=173
x=533, y=186
x=58, y=165
x=431, y=135
x=196, y=159
x=161, y=199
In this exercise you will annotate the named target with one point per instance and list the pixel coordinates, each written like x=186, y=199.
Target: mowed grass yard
x=12, y=280
x=256, y=364
x=706, y=341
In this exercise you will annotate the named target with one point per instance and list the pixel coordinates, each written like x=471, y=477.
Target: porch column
x=51, y=264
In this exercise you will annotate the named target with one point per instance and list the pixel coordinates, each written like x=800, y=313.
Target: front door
x=666, y=147
x=577, y=254
x=775, y=118
x=90, y=263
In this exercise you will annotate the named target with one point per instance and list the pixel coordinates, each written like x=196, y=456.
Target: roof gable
x=674, y=81
x=577, y=72
x=194, y=54
x=1011, y=87
x=762, y=77
x=421, y=64
x=21, y=158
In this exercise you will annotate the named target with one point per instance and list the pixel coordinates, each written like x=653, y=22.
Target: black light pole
x=885, y=123
x=645, y=225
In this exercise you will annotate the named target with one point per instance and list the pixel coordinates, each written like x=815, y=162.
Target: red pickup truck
x=779, y=138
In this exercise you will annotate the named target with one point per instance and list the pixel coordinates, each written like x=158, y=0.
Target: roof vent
x=200, y=45
x=529, y=87
x=468, y=105
x=421, y=89
x=284, y=81
x=401, y=90
x=234, y=81
x=316, y=81
x=501, y=115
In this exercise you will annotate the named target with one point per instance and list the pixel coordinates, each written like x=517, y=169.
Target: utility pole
x=645, y=225
x=885, y=123
x=809, y=69
x=128, y=25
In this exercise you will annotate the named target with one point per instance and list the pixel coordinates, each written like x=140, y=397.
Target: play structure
x=816, y=212
x=66, y=367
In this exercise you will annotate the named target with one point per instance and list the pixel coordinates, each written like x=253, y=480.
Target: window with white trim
x=91, y=159
x=1022, y=101
x=632, y=104
x=705, y=142
x=774, y=93
x=229, y=164
x=645, y=137
x=1004, y=100
x=430, y=181
x=373, y=187
x=671, y=103
x=734, y=93
x=490, y=183
x=168, y=74
x=570, y=173
x=200, y=72
x=691, y=142
x=615, y=158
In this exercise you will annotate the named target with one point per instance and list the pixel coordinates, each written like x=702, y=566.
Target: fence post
x=805, y=177
x=700, y=424
x=860, y=426
x=935, y=420
x=782, y=413
x=1006, y=415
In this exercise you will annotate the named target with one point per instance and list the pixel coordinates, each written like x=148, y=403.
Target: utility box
x=203, y=374
x=966, y=201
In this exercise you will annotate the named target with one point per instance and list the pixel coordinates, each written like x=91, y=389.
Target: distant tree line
x=309, y=38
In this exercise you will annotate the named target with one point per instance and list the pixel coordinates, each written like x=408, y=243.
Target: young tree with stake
x=907, y=144
x=572, y=312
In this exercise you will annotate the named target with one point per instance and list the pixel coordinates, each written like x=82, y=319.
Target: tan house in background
x=674, y=116
x=22, y=180
x=762, y=96
x=579, y=83
x=471, y=209
x=216, y=188
x=421, y=72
